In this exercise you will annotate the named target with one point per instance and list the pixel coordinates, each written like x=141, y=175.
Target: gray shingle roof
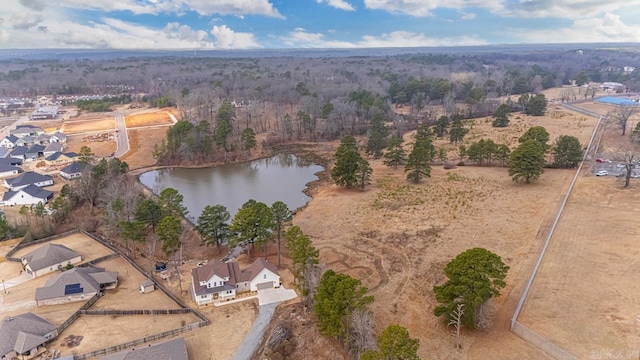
x=19, y=151
x=35, y=149
x=171, y=350
x=73, y=168
x=32, y=190
x=12, y=138
x=23, y=332
x=53, y=147
x=28, y=178
x=88, y=278
x=5, y=166
x=47, y=255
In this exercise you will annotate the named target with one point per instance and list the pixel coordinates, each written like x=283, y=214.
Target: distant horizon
x=307, y=52
x=320, y=24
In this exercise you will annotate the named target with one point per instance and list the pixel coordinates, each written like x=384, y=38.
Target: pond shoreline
x=301, y=151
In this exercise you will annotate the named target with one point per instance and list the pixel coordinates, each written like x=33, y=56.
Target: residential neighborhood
x=29, y=160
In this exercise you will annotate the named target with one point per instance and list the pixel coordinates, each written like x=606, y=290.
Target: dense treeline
x=104, y=104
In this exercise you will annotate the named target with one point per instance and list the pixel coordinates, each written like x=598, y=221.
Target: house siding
x=8, y=173
x=51, y=268
x=264, y=276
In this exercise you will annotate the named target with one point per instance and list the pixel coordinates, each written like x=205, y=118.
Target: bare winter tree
x=456, y=322
x=622, y=115
x=312, y=275
x=629, y=156
x=362, y=336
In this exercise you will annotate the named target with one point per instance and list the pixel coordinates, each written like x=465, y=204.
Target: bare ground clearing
x=99, y=148
x=141, y=146
x=75, y=127
x=148, y=119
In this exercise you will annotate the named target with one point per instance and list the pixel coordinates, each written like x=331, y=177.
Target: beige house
x=49, y=258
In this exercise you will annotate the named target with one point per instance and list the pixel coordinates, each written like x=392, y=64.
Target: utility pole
x=3, y=287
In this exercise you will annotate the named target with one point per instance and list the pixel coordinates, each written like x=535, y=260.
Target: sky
x=278, y=24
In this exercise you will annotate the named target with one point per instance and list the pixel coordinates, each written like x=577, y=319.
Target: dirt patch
x=46, y=125
x=148, y=119
x=141, y=144
x=99, y=148
x=83, y=126
x=71, y=341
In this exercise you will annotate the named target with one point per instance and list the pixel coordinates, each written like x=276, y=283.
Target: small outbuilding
x=147, y=286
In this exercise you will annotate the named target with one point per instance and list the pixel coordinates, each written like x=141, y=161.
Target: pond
x=279, y=178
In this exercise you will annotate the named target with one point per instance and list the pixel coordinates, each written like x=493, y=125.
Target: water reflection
x=278, y=178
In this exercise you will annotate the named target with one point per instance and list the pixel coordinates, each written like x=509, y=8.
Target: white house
x=9, y=142
x=26, y=179
x=58, y=137
x=29, y=195
x=223, y=281
x=7, y=169
x=73, y=170
x=49, y=258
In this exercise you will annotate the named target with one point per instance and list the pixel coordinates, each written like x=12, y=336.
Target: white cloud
x=411, y=39
x=608, y=28
x=420, y=8
x=338, y=4
x=301, y=38
x=467, y=16
x=571, y=9
x=202, y=7
x=229, y=39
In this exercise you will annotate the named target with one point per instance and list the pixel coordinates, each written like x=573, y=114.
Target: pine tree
x=457, y=132
x=395, y=154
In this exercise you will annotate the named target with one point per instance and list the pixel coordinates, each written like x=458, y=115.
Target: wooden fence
x=133, y=343
x=84, y=310
x=24, y=244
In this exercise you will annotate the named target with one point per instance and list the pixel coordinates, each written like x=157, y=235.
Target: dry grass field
x=127, y=295
x=83, y=126
x=221, y=339
x=104, y=331
x=148, y=119
x=397, y=237
x=141, y=146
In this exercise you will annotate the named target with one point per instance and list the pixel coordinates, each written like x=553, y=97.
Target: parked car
x=602, y=173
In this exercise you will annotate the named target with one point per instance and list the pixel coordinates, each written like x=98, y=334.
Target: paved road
x=122, y=138
x=255, y=335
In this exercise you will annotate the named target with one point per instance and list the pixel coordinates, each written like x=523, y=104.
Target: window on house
x=214, y=283
x=265, y=276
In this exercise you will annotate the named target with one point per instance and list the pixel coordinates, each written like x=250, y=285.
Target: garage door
x=264, y=285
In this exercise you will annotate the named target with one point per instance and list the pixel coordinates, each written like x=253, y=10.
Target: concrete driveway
x=255, y=335
x=270, y=296
x=16, y=281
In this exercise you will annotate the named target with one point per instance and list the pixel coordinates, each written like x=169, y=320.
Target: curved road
x=122, y=138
